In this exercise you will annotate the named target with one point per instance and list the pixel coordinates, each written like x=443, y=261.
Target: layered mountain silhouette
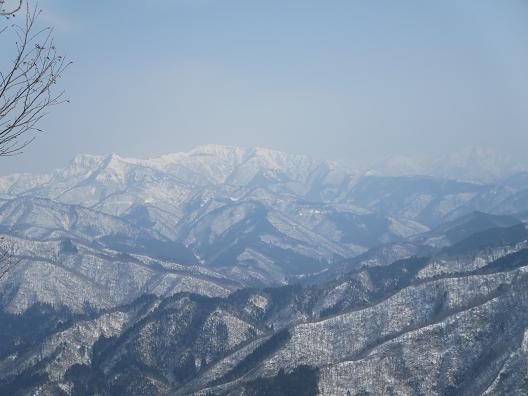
x=225, y=270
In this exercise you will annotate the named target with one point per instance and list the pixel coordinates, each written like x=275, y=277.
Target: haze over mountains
x=254, y=216
x=478, y=164
x=169, y=275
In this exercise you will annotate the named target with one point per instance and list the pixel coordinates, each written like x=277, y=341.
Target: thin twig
x=4, y=12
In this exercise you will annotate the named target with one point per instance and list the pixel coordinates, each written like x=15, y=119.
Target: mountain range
x=226, y=270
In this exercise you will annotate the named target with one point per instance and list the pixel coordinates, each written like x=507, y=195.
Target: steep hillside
x=440, y=325
x=229, y=271
x=75, y=275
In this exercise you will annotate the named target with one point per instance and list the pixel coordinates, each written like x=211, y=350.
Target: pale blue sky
x=357, y=80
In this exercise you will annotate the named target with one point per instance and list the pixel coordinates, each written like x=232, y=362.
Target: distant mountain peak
x=81, y=159
x=216, y=149
x=473, y=163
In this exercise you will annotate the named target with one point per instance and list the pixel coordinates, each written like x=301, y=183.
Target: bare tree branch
x=27, y=92
x=27, y=87
x=5, y=12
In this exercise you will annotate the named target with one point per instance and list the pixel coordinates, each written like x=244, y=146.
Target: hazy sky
x=356, y=80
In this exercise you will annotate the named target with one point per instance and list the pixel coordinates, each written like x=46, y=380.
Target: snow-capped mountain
x=257, y=216
x=168, y=276
x=192, y=198
x=475, y=164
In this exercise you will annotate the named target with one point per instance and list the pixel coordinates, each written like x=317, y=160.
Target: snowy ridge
x=180, y=275
x=256, y=215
